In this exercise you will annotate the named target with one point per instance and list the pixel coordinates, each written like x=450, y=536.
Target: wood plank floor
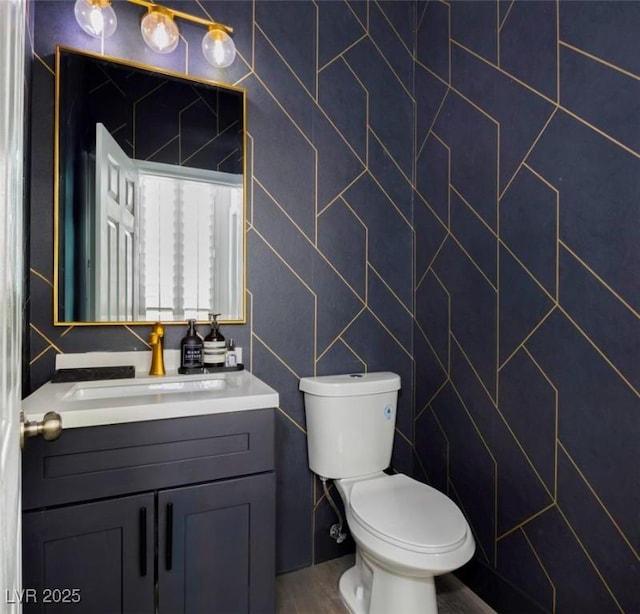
x=314, y=590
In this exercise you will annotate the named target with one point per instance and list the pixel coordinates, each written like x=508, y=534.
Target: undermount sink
x=127, y=388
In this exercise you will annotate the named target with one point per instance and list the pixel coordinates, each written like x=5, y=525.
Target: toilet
x=406, y=532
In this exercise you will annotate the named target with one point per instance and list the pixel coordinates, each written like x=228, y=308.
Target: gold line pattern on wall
x=503, y=349
x=529, y=338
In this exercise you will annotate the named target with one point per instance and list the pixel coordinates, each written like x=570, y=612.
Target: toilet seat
x=408, y=514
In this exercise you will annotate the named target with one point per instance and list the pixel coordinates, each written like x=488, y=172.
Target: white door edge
x=12, y=87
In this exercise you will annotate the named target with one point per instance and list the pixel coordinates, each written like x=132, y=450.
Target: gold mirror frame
x=57, y=167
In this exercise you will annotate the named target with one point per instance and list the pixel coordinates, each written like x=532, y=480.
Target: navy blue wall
x=329, y=223
x=528, y=293
x=465, y=201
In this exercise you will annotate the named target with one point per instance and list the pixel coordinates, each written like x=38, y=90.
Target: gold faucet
x=156, y=340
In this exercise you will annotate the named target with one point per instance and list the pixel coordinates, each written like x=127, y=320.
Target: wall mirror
x=150, y=172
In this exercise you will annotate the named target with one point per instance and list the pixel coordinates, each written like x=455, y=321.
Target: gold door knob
x=50, y=427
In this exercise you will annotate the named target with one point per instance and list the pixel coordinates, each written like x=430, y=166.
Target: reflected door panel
x=114, y=232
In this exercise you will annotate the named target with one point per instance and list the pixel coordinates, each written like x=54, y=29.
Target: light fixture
x=161, y=34
x=96, y=17
x=218, y=47
x=159, y=30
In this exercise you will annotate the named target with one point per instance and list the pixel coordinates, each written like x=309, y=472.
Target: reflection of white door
x=116, y=195
x=12, y=19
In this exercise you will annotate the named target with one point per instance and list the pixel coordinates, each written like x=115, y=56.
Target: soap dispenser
x=215, y=347
x=191, y=351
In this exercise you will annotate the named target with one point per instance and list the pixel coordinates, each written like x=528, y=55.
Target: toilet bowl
x=406, y=532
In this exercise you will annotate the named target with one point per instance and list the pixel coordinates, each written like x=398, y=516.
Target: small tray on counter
x=209, y=370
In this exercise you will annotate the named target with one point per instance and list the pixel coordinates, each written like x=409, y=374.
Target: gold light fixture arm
x=199, y=20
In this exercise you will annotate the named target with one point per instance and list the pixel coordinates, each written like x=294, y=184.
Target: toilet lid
x=409, y=514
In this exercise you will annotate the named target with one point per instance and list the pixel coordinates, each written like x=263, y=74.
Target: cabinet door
x=104, y=550
x=216, y=547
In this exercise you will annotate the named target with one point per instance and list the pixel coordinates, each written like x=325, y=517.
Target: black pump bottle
x=191, y=351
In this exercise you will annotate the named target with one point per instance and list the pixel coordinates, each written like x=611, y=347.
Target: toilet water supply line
x=336, y=529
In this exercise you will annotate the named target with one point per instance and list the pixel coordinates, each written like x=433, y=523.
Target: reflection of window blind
x=176, y=242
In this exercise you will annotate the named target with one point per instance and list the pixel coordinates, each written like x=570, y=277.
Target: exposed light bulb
x=218, y=47
x=96, y=17
x=97, y=21
x=159, y=31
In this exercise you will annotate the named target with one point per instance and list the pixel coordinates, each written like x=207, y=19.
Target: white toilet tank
x=350, y=422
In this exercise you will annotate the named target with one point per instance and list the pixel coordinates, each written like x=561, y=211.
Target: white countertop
x=103, y=402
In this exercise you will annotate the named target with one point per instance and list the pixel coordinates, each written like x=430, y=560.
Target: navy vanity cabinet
x=174, y=516
x=205, y=551
x=94, y=557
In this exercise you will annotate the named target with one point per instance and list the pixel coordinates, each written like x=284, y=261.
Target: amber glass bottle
x=215, y=346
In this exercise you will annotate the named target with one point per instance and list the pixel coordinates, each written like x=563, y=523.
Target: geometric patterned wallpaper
x=329, y=228
x=527, y=231
x=448, y=191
